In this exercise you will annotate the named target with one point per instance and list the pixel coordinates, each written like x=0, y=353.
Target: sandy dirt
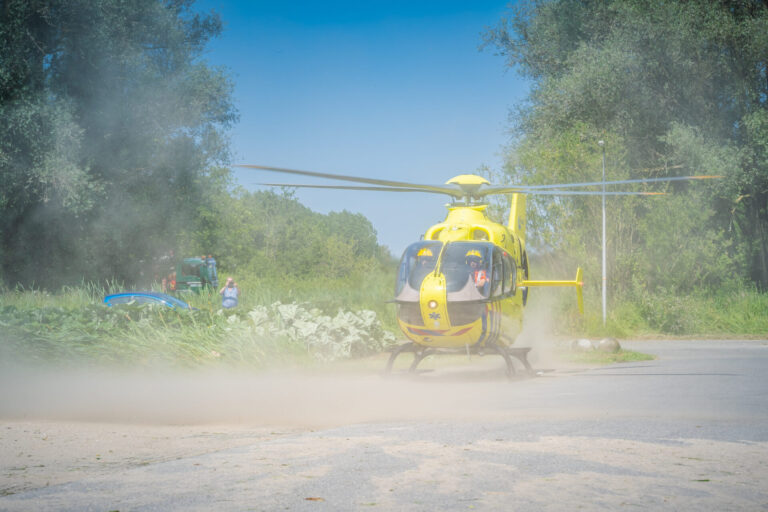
x=457, y=436
x=41, y=453
x=61, y=425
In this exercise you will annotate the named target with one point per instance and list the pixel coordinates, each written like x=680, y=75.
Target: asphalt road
x=687, y=431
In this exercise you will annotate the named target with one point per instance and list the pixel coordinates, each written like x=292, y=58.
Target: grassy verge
x=602, y=358
x=727, y=314
x=321, y=319
x=291, y=323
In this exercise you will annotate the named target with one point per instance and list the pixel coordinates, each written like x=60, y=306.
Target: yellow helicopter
x=465, y=284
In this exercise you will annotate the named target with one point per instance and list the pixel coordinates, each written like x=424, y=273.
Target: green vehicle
x=195, y=274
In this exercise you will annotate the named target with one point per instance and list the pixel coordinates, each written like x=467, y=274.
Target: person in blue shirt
x=229, y=294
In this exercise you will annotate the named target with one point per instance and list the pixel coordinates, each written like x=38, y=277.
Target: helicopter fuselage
x=465, y=283
x=460, y=285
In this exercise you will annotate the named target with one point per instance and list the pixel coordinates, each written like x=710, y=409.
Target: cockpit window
x=510, y=274
x=498, y=273
x=418, y=260
x=471, y=270
x=467, y=271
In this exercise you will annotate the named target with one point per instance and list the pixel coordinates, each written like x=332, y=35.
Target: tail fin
x=517, y=217
x=580, y=290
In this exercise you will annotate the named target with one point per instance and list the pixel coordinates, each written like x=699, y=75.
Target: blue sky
x=396, y=90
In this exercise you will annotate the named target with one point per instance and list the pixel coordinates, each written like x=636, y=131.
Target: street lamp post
x=601, y=143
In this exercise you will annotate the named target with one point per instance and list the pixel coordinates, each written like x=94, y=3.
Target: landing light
x=432, y=304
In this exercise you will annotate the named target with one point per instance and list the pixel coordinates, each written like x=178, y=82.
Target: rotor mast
x=470, y=185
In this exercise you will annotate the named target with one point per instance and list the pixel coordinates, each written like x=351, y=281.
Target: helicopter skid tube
x=420, y=352
x=406, y=347
x=521, y=354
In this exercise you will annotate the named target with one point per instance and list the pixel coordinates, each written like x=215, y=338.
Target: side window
x=418, y=260
x=497, y=281
x=510, y=275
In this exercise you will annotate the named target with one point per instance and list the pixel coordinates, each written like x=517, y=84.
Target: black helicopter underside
x=420, y=352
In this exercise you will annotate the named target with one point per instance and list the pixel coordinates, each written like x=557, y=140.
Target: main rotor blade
x=351, y=187
x=619, y=182
x=439, y=189
x=548, y=190
x=587, y=193
x=459, y=193
x=403, y=189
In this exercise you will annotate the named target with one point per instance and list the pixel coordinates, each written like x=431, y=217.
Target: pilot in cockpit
x=425, y=263
x=477, y=271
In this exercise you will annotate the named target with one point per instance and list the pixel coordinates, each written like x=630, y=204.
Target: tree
x=676, y=87
x=272, y=234
x=113, y=135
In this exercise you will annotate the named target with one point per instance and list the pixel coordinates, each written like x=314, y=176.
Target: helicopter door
x=497, y=282
x=510, y=275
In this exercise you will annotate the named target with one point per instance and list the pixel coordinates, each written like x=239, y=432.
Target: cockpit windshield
x=418, y=260
x=466, y=267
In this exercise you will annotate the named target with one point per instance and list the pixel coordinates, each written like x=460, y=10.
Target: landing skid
x=420, y=352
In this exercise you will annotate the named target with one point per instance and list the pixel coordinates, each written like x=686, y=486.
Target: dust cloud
x=287, y=398
x=446, y=387
x=538, y=329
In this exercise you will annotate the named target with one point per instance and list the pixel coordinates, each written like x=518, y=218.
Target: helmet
x=425, y=251
x=473, y=256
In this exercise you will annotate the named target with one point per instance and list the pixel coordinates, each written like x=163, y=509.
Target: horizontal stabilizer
x=578, y=283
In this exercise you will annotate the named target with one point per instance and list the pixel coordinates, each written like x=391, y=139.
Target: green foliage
x=113, y=152
x=273, y=236
x=367, y=291
x=327, y=338
x=112, y=131
x=42, y=327
x=673, y=88
x=597, y=357
x=727, y=313
x=680, y=252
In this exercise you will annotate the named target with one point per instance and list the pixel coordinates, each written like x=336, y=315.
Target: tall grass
x=729, y=313
x=73, y=324
x=371, y=291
